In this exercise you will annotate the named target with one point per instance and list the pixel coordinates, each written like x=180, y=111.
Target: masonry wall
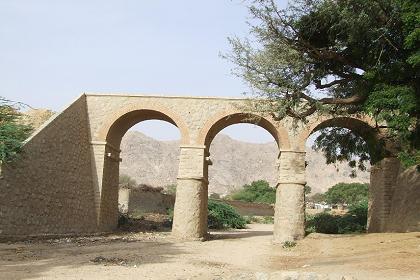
x=49, y=189
x=135, y=201
x=383, y=180
x=404, y=213
x=251, y=209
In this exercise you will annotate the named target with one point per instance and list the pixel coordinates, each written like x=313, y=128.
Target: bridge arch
x=115, y=126
x=107, y=152
x=363, y=127
x=222, y=120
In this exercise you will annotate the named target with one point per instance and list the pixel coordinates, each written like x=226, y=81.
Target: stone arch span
x=363, y=127
x=214, y=125
x=114, y=127
x=107, y=150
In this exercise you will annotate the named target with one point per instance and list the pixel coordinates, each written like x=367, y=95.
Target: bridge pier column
x=289, y=217
x=190, y=213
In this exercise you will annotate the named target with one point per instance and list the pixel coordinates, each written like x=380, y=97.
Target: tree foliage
x=343, y=193
x=12, y=132
x=125, y=181
x=336, y=57
x=258, y=191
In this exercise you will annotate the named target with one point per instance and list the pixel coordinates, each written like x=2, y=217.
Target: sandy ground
x=240, y=254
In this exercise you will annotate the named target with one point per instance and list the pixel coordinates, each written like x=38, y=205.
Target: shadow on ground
x=27, y=260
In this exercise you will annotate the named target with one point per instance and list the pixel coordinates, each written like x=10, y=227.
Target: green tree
x=125, y=181
x=317, y=198
x=343, y=193
x=258, y=191
x=337, y=57
x=12, y=132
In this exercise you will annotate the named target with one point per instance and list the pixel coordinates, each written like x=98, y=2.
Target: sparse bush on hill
x=127, y=182
x=258, y=191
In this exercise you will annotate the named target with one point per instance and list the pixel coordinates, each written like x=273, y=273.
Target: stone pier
x=289, y=217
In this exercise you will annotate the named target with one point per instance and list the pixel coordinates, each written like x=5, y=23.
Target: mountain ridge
x=235, y=163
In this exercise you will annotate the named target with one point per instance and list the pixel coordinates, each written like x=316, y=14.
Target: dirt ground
x=239, y=254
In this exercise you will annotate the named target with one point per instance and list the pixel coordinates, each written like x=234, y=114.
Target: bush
x=353, y=222
x=222, y=215
x=258, y=191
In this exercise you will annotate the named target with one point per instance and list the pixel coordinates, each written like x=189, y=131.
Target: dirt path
x=242, y=254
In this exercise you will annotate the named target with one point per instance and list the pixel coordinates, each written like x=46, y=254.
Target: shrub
x=354, y=221
x=268, y=220
x=289, y=244
x=258, y=191
x=222, y=215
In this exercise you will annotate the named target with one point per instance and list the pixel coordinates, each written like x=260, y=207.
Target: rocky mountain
x=235, y=163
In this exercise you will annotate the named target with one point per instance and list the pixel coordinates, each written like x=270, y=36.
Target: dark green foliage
x=338, y=57
x=258, y=191
x=222, y=215
x=342, y=145
x=347, y=193
x=12, y=132
x=308, y=190
x=317, y=197
x=353, y=222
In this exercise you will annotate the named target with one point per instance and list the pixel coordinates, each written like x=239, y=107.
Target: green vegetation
x=343, y=193
x=222, y=215
x=338, y=57
x=258, y=191
x=170, y=189
x=352, y=222
x=127, y=182
x=289, y=244
x=12, y=132
x=259, y=219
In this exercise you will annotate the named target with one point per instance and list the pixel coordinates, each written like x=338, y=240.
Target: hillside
x=235, y=163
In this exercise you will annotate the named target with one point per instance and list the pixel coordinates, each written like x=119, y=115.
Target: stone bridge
x=66, y=181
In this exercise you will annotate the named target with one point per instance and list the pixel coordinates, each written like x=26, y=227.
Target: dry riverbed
x=240, y=254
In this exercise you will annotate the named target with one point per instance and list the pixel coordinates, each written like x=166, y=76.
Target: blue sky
x=52, y=51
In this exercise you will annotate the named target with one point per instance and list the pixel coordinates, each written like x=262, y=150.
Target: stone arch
x=364, y=127
x=107, y=153
x=115, y=126
x=222, y=120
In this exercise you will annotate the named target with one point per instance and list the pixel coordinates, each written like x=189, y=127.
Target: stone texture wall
x=49, y=189
x=404, y=213
x=139, y=201
x=381, y=189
